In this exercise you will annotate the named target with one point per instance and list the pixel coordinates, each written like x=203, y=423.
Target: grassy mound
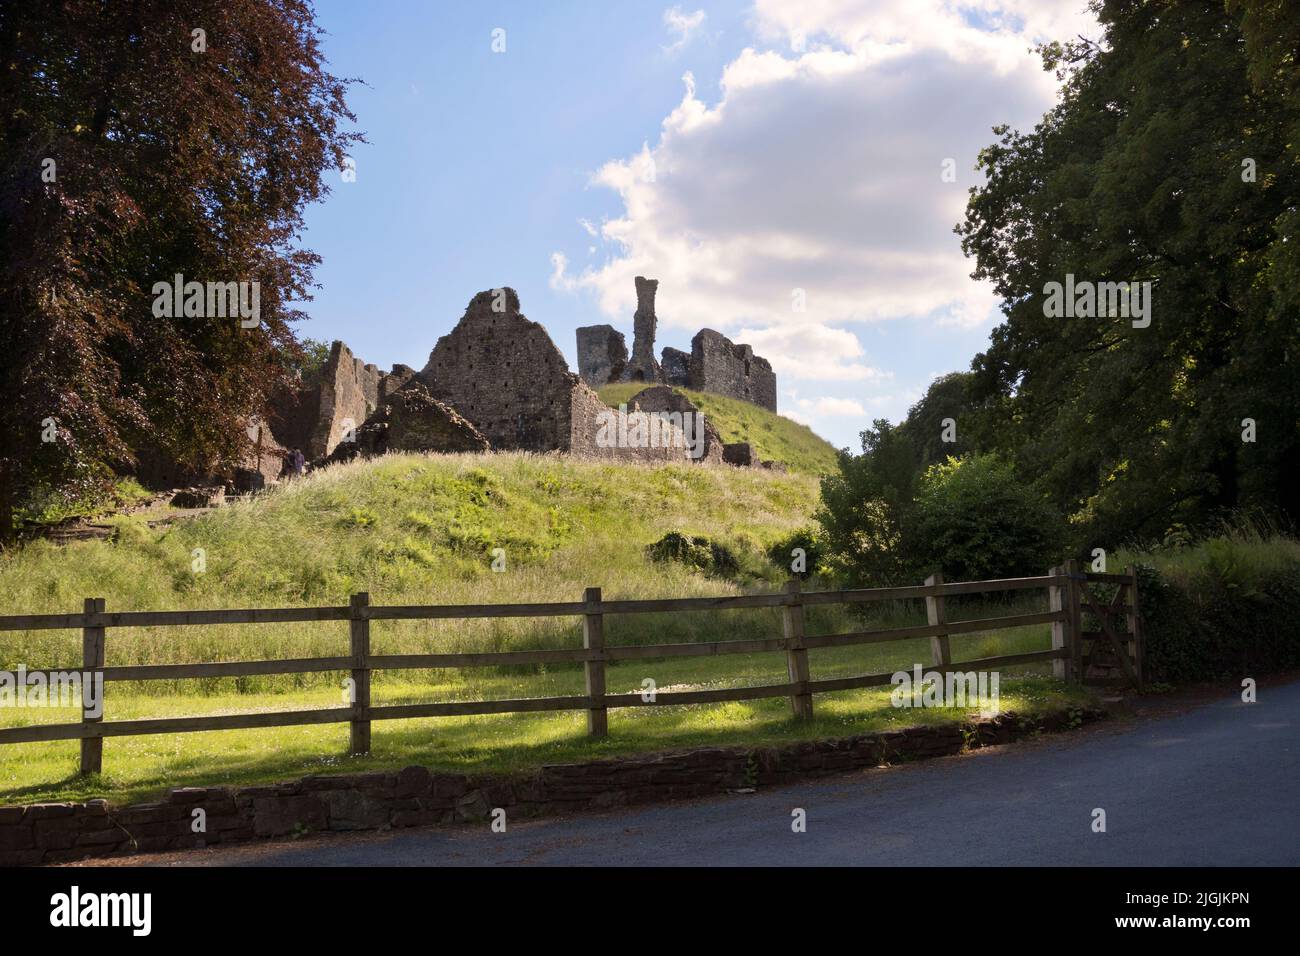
x=416, y=529
x=776, y=437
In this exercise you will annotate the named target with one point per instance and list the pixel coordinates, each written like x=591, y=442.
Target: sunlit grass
x=419, y=530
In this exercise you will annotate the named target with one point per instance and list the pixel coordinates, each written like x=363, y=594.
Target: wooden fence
x=1070, y=654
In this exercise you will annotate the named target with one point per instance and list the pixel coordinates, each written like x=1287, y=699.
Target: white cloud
x=683, y=25
x=819, y=169
x=827, y=405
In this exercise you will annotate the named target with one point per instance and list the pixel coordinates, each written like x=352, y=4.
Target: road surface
x=1219, y=785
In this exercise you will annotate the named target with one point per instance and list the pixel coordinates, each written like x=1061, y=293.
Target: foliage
x=695, y=551
x=1227, y=606
x=808, y=539
x=166, y=160
x=974, y=520
x=1138, y=174
x=866, y=506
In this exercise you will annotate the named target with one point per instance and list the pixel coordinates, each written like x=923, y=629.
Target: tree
x=944, y=409
x=144, y=140
x=865, y=507
x=1170, y=160
x=974, y=519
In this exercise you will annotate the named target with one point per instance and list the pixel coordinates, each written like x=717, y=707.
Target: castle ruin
x=496, y=381
x=715, y=363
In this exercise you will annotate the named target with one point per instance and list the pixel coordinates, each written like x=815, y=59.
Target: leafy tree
x=865, y=507
x=948, y=397
x=974, y=519
x=133, y=150
x=1141, y=174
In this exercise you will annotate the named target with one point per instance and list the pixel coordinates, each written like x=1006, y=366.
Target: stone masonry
x=642, y=367
x=715, y=363
x=602, y=354
x=719, y=365
x=495, y=381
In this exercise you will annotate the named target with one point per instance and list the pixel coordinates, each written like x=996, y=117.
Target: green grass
x=777, y=438
x=421, y=529
x=47, y=507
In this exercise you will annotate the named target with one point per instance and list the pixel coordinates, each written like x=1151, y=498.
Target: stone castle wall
x=503, y=373
x=715, y=363
x=719, y=365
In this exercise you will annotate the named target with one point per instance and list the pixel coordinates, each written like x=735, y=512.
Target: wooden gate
x=1110, y=636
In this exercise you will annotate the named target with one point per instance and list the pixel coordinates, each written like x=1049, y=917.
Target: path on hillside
x=1219, y=785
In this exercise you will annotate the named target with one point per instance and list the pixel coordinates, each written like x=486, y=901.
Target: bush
x=974, y=519
x=814, y=548
x=698, y=553
x=1228, y=607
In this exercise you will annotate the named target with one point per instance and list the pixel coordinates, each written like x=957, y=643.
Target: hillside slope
x=776, y=437
x=415, y=528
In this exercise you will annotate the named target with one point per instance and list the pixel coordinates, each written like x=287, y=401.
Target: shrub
x=1228, y=607
x=698, y=553
x=808, y=539
x=974, y=519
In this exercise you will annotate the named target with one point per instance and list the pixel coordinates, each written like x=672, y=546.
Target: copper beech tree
x=142, y=140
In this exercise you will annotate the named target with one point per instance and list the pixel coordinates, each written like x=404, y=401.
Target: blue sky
x=793, y=147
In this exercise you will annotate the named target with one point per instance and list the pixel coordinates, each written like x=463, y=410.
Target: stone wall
x=676, y=367
x=642, y=367
x=715, y=364
x=661, y=398
x=503, y=373
x=586, y=414
x=721, y=366
x=602, y=354
x=415, y=796
x=349, y=394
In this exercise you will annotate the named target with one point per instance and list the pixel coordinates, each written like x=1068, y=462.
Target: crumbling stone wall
x=587, y=414
x=676, y=367
x=503, y=373
x=413, y=421
x=349, y=394
x=721, y=366
x=602, y=354
x=661, y=398
x=715, y=364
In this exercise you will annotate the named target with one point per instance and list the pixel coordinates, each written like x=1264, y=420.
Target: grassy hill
x=414, y=529
x=776, y=437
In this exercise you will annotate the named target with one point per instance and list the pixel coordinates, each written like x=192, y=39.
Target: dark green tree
x=133, y=149
x=1170, y=159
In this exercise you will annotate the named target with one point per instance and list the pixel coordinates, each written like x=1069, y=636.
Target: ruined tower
x=642, y=367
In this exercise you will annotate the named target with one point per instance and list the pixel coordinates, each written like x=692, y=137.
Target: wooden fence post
x=1135, y=625
x=796, y=653
x=1058, y=600
x=593, y=639
x=92, y=661
x=934, y=610
x=360, y=631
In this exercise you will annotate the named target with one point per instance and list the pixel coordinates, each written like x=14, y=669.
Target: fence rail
x=1068, y=594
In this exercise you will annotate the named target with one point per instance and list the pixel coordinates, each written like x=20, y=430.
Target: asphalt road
x=1219, y=785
